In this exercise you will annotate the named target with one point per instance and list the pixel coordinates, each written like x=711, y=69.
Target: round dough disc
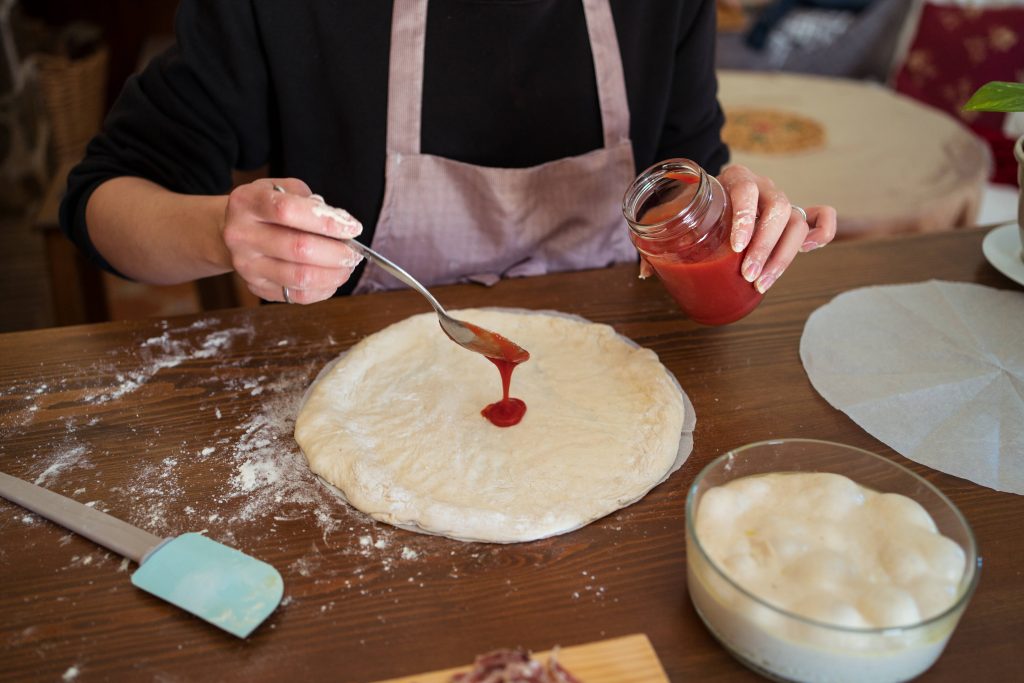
x=395, y=424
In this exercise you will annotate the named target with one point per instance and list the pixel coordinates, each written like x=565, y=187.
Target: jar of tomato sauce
x=679, y=218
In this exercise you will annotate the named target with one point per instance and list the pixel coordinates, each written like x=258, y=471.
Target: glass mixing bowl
x=789, y=647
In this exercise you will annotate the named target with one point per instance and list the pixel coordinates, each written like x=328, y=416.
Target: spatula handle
x=110, y=532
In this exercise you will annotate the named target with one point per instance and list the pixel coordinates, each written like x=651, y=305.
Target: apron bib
x=446, y=221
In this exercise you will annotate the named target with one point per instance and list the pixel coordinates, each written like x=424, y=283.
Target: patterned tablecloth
x=887, y=163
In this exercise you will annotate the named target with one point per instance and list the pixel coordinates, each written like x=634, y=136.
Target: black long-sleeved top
x=302, y=87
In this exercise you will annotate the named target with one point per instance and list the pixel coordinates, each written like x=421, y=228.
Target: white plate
x=1002, y=248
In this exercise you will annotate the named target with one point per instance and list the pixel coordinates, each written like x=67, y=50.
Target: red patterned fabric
x=954, y=51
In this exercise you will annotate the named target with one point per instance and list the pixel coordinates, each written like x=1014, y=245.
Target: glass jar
x=679, y=219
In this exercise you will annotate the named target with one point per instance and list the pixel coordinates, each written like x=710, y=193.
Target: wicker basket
x=75, y=95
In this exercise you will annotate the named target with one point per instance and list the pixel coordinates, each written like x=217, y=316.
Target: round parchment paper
x=394, y=425
x=935, y=370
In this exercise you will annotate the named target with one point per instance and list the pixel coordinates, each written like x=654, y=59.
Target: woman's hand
x=281, y=240
x=764, y=219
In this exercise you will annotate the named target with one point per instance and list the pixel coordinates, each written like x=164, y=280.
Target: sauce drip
x=508, y=411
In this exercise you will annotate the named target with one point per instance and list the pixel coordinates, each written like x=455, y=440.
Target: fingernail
x=751, y=269
x=317, y=197
x=742, y=220
x=350, y=226
x=739, y=240
x=809, y=246
x=765, y=281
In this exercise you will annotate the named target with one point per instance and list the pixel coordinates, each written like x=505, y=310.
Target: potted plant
x=1006, y=97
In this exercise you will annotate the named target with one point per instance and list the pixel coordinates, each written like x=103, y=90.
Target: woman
x=496, y=143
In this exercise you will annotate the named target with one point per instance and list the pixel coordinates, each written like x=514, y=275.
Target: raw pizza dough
x=395, y=424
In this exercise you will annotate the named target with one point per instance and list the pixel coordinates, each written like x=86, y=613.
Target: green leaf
x=997, y=96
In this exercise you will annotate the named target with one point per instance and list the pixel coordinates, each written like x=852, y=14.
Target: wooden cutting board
x=629, y=659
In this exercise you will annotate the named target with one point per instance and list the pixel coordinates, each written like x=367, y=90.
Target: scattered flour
x=71, y=674
x=591, y=587
x=69, y=456
x=259, y=477
x=270, y=470
x=154, y=494
x=304, y=566
x=169, y=350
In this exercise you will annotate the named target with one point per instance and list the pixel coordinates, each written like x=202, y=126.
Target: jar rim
x=651, y=179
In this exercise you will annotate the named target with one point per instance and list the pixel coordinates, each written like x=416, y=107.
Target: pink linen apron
x=446, y=221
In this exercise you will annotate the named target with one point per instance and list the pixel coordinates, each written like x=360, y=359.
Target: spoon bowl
x=467, y=335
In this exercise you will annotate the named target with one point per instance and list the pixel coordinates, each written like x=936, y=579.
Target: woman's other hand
x=767, y=225
x=288, y=239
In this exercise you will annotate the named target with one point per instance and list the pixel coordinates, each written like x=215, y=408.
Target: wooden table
x=185, y=425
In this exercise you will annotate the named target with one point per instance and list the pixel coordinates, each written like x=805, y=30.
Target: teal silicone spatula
x=216, y=583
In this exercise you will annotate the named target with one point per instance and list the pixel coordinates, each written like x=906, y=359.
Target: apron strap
x=611, y=83
x=405, y=74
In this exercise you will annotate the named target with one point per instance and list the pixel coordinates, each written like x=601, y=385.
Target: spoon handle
x=394, y=269
x=385, y=263
x=110, y=532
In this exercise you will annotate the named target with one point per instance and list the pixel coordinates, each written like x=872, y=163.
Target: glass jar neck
x=668, y=199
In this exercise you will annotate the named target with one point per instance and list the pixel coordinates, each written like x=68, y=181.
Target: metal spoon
x=466, y=335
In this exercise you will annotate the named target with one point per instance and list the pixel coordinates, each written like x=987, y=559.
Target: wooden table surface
x=185, y=425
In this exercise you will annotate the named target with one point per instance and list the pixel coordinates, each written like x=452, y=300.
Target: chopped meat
x=514, y=666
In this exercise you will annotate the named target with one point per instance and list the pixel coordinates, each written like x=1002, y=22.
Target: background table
x=185, y=425
x=887, y=163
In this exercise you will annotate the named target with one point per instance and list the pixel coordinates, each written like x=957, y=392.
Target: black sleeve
x=194, y=114
x=694, y=122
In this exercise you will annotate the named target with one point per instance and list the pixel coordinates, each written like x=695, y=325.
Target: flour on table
x=71, y=457
x=258, y=477
x=168, y=350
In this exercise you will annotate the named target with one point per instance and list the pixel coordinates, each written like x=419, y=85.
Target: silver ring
x=277, y=188
x=803, y=214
